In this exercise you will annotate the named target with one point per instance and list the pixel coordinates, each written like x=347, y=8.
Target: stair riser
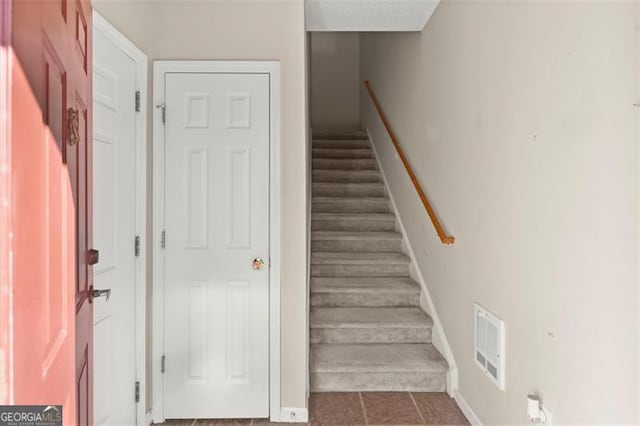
x=341, y=144
x=349, y=190
x=353, y=225
x=324, y=164
x=357, y=245
x=381, y=206
x=364, y=299
x=370, y=335
x=319, y=153
x=381, y=382
x=359, y=270
x=345, y=176
x=348, y=135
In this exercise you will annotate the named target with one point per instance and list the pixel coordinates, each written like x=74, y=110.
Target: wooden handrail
x=446, y=239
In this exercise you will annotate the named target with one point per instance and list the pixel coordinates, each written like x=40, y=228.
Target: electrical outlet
x=293, y=415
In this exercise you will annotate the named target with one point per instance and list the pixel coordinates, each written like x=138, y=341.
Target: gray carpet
x=368, y=332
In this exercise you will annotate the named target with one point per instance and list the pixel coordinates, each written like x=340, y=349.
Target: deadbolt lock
x=93, y=256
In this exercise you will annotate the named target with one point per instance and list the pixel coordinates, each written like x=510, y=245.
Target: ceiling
x=368, y=15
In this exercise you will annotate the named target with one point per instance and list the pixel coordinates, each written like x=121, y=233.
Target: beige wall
x=130, y=17
x=518, y=118
x=268, y=30
x=335, y=80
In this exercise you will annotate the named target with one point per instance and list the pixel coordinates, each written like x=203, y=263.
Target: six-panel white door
x=114, y=215
x=216, y=322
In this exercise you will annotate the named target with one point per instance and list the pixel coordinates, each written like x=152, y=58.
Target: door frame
x=6, y=283
x=160, y=69
x=141, y=62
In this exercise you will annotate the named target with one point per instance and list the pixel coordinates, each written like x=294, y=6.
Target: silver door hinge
x=163, y=239
x=137, y=391
x=137, y=101
x=163, y=108
x=162, y=363
x=136, y=246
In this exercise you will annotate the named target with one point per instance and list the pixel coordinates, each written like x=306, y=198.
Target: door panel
x=217, y=202
x=114, y=172
x=51, y=349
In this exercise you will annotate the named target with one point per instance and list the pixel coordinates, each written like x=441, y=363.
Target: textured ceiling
x=368, y=15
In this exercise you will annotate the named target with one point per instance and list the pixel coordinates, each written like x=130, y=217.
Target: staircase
x=367, y=331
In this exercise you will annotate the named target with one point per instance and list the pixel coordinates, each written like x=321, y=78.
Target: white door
x=114, y=210
x=216, y=323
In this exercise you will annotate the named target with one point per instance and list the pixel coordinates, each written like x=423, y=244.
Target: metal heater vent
x=489, y=344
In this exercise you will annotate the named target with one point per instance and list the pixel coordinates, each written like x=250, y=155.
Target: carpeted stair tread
x=340, y=235
x=364, y=285
x=344, y=164
x=369, y=318
x=342, y=153
x=336, y=175
x=364, y=292
x=331, y=135
x=337, y=258
x=377, y=358
x=350, y=205
x=349, y=189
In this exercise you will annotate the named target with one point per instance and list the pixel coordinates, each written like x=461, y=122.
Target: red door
x=45, y=202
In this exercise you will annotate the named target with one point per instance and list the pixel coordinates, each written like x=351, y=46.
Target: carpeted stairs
x=367, y=331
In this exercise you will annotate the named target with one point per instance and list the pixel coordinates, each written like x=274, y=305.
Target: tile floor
x=364, y=408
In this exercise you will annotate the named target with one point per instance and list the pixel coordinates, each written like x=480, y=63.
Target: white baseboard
x=466, y=409
x=293, y=415
x=416, y=274
x=452, y=380
x=287, y=415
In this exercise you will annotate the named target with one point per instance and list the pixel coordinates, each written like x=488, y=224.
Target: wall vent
x=489, y=345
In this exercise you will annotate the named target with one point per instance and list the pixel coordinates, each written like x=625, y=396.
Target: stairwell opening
x=368, y=331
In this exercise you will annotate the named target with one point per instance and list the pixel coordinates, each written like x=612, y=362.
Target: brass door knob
x=258, y=263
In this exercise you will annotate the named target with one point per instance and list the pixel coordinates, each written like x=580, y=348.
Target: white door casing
x=118, y=217
x=217, y=318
